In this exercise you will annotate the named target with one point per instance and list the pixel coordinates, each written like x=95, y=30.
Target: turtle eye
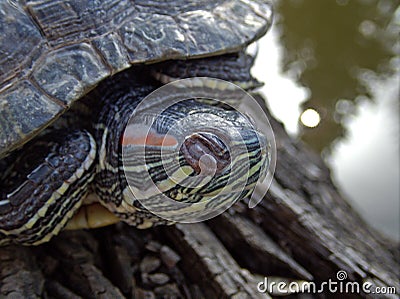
x=206, y=153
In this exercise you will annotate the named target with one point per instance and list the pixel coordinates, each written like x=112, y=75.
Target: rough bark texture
x=302, y=230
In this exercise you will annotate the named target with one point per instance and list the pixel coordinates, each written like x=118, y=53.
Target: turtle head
x=194, y=161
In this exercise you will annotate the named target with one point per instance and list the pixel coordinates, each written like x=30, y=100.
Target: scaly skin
x=39, y=212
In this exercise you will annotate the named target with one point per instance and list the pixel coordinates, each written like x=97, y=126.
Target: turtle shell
x=53, y=52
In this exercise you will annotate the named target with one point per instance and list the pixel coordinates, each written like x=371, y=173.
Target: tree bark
x=303, y=230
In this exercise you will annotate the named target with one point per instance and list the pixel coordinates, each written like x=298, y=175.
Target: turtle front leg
x=44, y=185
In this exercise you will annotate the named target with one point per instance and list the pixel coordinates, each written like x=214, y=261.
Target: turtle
x=72, y=74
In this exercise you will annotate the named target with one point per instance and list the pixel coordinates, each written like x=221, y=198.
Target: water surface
x=331, y=70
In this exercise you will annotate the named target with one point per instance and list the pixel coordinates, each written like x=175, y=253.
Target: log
x=303, y=230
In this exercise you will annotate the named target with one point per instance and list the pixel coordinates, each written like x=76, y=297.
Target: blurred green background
x=338, y=60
